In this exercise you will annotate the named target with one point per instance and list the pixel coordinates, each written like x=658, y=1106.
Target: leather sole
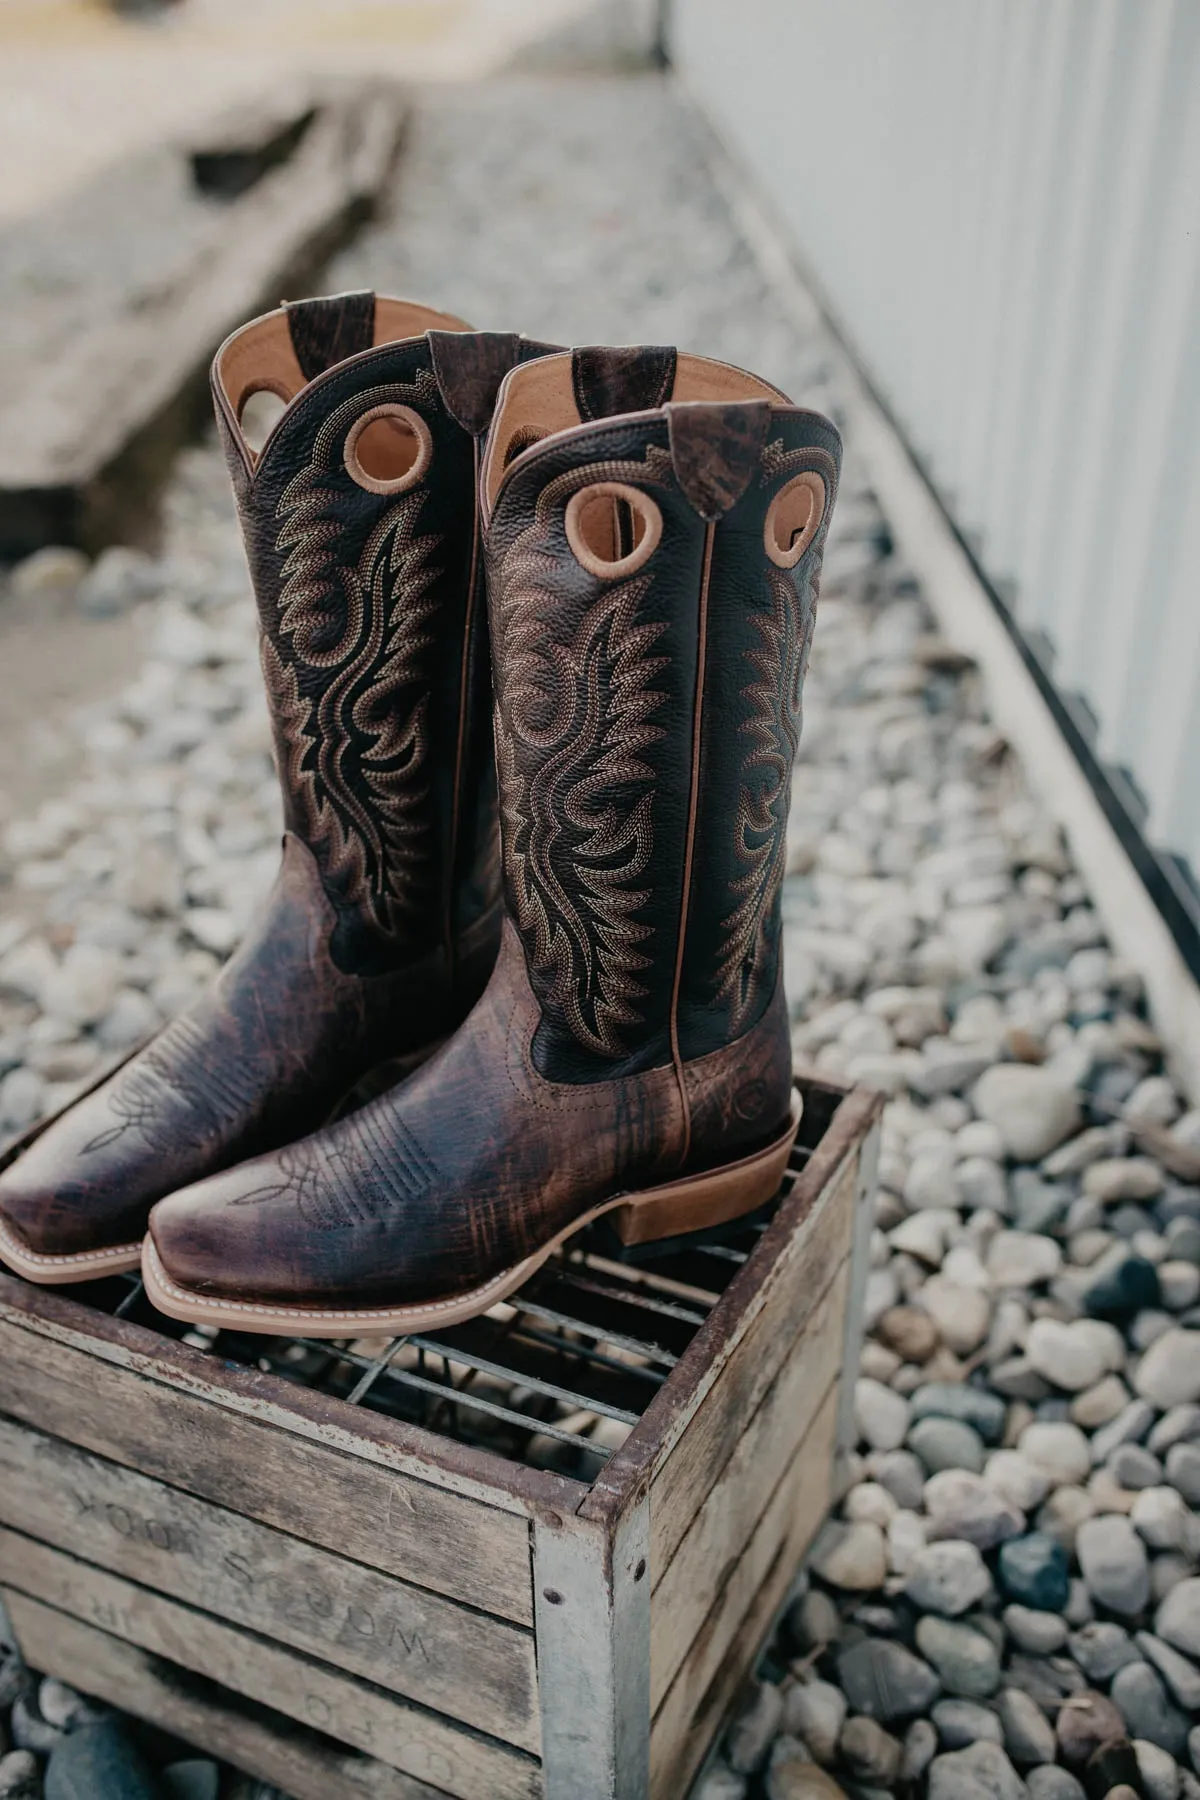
x=693, y=1203
x=57, y=1271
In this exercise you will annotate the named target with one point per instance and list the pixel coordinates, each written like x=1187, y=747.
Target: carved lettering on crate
x=252, y=1737
x=416, y=1741
x=473, y=1667
x=422, y=1533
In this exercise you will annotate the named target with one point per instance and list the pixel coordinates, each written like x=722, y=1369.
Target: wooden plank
x=417, y=1742
x=463, y=1663
x=305, y=1412
x=88, y=418
x=302, y=1763
x=410, y=1529
x=798, y=1284
x=593, y=1633
x=755, y=1289
x=741, y=1611
x=727, y=1519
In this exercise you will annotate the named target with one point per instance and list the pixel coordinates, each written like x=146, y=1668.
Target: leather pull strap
x=469, y=367
x=328, y=330
x=621, y=379
x=715, y=450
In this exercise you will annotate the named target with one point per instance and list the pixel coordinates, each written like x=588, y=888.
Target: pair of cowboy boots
x=583, y=997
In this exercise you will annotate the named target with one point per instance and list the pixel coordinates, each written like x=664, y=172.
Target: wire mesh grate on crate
x=556, y=1377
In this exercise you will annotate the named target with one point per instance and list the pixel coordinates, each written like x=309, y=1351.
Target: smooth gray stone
x=961, y=1723
x=101, y=1762
x=1142, y=1701
x=886, y=1681
x=1028, y=1734
x=1179, y=1672
x=1101, y=1649
x=1051, y=1782
x=192, y=1780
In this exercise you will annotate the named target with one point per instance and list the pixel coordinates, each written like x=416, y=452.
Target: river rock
x=1102, y=1648
x=1169, y=1372
x=1085, y=1721
x=962, y=1505
x=757, y=1722
x=1069, y=1356
x=1140, y=1697
x=973, y=1406
x=1058, y=1448
x=946, y=1444
x=1038, y=1633
x=1179, y=1673
x=981, y=1772
x=886, y=1681
x=1034, y=1571
x=98, y=1761
x=1051, y=1782
x=1178, y=1618
x=1031, y=1108
x=870, y=1753
x=1028, y=1735
x=850, y=1555
x=948, y=1578
x=1112, y=1559
x=1020, y=1481
x=963, y=1722
x=967, y=1661
x=816, y=1712
x=881, y=1416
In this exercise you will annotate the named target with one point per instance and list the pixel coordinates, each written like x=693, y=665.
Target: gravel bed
x=1011, y=1580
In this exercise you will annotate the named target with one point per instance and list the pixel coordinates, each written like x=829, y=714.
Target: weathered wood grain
x=418, y=1742
x=305, y=1412
x=727, y=1519
x=88, y=419
x=389, y=1521
x=652, y=1440
x=463, y=1663
x=304, y=1764
x=791, y=1293
x=742, y=1609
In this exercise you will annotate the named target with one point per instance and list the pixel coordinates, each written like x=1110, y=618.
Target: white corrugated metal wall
x=1001, y=202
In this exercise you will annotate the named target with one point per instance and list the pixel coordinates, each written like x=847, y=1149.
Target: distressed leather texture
x=634, y=1027
x=383, y=925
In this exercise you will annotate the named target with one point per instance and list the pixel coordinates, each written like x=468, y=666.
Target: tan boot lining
x=537, y=399
x=260, y=358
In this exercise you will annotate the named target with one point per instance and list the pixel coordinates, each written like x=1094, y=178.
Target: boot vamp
x=467, y=1168
x=260, y=1059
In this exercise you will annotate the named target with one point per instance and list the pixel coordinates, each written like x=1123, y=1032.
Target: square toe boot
x=360, y=517
x=655, y=525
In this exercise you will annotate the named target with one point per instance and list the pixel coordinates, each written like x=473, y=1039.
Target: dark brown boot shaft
x=360, y=520
x=653, y=581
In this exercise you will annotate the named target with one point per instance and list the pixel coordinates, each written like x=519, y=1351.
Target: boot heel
x=713, y=1197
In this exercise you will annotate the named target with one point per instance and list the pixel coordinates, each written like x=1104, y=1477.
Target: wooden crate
x=283, y=1568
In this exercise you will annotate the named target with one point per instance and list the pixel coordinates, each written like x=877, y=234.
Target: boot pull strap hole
x=612, y=529
x=388, y=449
x=793, y=519
x=258, y=414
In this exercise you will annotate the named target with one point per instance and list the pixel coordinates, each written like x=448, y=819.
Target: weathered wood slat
x=727, y=1519
x=272, y=1748
x=407, y=1528
x=741, y=1612
x=791, y=1294
x=417, y=1742
x=462, y=1663
x=84, y=425
x=305, y=1412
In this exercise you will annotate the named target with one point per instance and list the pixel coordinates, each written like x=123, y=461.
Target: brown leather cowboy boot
x=361, y=528
x=656, y=525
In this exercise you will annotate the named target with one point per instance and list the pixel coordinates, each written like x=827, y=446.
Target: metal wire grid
x=556, y=1377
